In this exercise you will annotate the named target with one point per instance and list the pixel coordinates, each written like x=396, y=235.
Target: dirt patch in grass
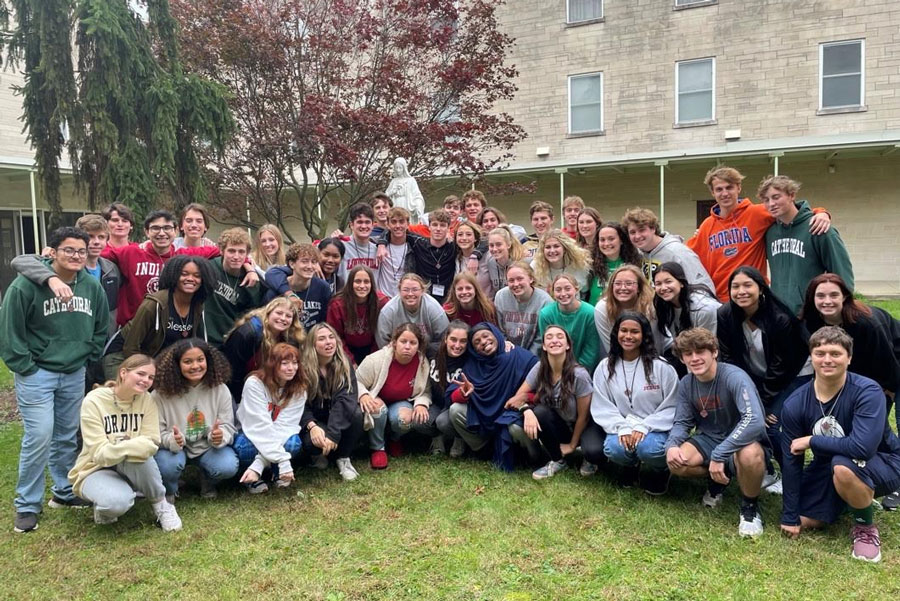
x=8, y=410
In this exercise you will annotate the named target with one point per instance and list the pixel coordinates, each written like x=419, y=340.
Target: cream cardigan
x=373, y=372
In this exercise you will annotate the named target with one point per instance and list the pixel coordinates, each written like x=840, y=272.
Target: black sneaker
x=26, y=521
x=656, y=483
x=892, y=501
x=628, y=476
x=73, y=503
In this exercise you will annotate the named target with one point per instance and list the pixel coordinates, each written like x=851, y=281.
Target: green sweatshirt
x=581, y=329
x=39, y=331
x=796, y=256
x=229, y=301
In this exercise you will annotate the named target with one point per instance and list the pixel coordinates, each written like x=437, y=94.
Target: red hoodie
x=140, y=266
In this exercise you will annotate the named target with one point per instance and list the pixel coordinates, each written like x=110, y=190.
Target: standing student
x=268, y=250
x=559, y=410
x=541, y=221
x=719, y=404
x=175, y=312
x=634, y=404
x=394, y=387
x=396, y=258
x=589, y=223
x=795, y=256
x=412, y=306
x=381, y=207
x=196, y=419
x=558, y=253
x=490, y=219
x=331, y=424
x=354, y=312
x=46, y=344
x=120, y=430
x=359, y=249
x=658, y=247
x=760, y=335
x=120, y=220
x=628, y=291
x=250, y=342
x=841, y=418
x=467, y=302
x=572, y=207
x=504, y=249
x=734, y=233
x=468, y=239
x=576, y=317
x=272, y=404
x=518, y=306
x=298, y=282
x=445, y=368
x=230, y=299
x=611, y=249
x=473, y=203
x=194, y=223
x=332, y=253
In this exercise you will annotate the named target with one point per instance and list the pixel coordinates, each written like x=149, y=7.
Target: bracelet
x=525, y=408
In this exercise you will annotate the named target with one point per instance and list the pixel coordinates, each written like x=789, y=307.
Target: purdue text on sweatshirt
x=519, y=321
x=194, y=413
x=728, y=411
x=40, y=331
x=114, y=431
x=672, y=248
x=267, y=425
x=796, y=257
x=652, y=404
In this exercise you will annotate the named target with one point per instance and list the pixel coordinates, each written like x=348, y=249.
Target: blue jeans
x=391, y=414
x=246, y=452
x=650, y=452
x=217, y=464
x=50, y=405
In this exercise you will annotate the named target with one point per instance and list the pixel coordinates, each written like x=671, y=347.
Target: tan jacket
x=372, y=373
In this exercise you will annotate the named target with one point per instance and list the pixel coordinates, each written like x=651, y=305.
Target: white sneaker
x=587, y=469
x=103, y=520
x=166, y=516
x=279, y=483
x=711, y=501
x=320, y=462
x=458, y=449
x=258, y=487
x=775, y=488
x=548, y=471
x=346, y=469
x=751, y=522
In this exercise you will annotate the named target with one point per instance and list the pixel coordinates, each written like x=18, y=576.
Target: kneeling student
x=841, y=417
x=721, y=402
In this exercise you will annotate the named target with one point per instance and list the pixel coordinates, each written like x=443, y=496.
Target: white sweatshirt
x=652, y=404
x=268, y=435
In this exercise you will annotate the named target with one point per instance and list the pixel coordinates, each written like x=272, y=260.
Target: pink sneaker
x=866, y=543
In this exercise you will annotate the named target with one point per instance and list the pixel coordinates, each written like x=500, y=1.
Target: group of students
x=645, y=355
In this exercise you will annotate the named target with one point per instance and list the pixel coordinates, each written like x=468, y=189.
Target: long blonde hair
x=516, y=252
x=643, y=302
x=293, y=335
x=259, y=256
x=574, y=257
x=337, y=370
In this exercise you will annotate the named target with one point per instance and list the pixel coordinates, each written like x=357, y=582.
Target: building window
x=586, y=103
x=695, y=102
x=578, y=11
x=841, y=75
x=692, y=3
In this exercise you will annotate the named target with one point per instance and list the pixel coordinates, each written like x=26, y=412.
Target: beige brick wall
x=12, y=140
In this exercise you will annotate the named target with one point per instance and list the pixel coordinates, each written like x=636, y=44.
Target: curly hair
x=293, y=335
x=171, y=273
x=647, y=348
x=574, y=257
x=171, y=381
x=627, y=251
x=643, y=302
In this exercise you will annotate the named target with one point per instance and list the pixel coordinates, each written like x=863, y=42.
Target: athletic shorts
x=820, y=501
x=706, y=444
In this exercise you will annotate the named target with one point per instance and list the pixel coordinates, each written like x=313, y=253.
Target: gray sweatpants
x=111, y=490
x=458, y=413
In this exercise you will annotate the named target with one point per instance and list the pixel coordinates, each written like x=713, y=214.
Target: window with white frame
x=695, y=99
x=586, y=103
x=841, y=74
x=680, y=3
x=583, y=10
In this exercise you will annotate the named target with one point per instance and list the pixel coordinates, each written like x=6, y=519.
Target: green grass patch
x=432, y=528
x=892, y=306
x=6, y=377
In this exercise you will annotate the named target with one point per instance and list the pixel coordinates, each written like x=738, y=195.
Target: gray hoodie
x=652, y=404
x=519, y=321
x=430, y=318
x=672, y=248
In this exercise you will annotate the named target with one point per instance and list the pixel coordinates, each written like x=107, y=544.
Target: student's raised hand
x=819, y=224
x=177, y=436
x=465, y=386
x=60, y=289
x=249, y=477
x=532, y=426
x=216, y=434
x=792, y=532
x=717, y=472
x=337, y=234
x=509, y=346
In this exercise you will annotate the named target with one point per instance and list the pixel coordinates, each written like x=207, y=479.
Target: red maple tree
x=326, y=93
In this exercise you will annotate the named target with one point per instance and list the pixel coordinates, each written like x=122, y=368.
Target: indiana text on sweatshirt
x=40, y=331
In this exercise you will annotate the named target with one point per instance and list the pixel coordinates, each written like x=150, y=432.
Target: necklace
x=629, y=389
x=828, y=424
x=703, y=399
x=396, y=268
x=440, y=251
x=183, y=323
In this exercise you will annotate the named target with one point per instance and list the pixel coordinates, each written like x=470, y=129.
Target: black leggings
x=592, y=443
x=554, y=430
x=349, y=439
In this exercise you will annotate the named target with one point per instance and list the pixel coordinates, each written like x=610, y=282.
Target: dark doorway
x=703, y=207
x=8, y=247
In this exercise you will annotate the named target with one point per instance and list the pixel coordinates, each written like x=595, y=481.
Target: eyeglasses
x=71, y=252
x=410, y=290
x=624, y=284
x=155, y=229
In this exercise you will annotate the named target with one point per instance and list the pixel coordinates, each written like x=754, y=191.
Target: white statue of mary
x=404, y=191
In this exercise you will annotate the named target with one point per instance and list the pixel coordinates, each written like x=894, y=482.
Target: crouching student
x=394, y=386
x=558, y=413
x=120, y=430
x=634, y=403
x=331, y=422
x=445, y=368
x=842, y=418
x=272, y=403
x=196, y=421
x=720, y=404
